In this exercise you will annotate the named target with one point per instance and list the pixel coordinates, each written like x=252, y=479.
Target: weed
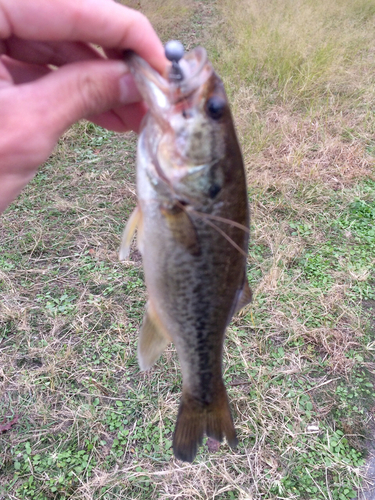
x=53, y=472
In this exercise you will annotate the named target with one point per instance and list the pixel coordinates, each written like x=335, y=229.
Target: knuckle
x=91, y=93
x=88, y=90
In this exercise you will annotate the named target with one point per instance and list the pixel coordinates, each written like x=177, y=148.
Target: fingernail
x=128, y=90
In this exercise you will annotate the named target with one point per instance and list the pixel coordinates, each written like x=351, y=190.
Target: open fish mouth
x=163, y=92
x=177, y=132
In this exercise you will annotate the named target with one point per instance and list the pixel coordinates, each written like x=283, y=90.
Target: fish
x=192, y=224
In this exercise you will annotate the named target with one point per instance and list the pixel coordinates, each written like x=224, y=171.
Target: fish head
x=189, y=126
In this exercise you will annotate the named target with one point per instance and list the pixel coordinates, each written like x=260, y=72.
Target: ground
x=78, y=418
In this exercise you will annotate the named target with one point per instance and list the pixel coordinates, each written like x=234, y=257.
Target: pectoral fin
x=128, y=234
x=244, y=298
x=183, y=230
x=153, y=339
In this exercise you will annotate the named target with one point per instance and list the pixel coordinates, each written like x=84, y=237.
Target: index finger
x=101, y=22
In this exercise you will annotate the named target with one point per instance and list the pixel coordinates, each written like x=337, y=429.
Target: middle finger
x=43, y=53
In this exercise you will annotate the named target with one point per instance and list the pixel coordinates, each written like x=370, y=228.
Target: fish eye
x=214, y=190
x=215, y=107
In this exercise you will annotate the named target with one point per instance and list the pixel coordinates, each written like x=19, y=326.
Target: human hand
x=38, y=103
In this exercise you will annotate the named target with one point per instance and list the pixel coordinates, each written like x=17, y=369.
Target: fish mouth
x=160, y=92
x=195, y=69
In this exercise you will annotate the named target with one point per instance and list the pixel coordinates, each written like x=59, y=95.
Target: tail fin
x=196, y=419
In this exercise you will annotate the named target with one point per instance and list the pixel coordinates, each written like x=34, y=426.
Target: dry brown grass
x=306, y=151
x=316, y=61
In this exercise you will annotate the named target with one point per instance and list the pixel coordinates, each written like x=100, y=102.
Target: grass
x=299, y=363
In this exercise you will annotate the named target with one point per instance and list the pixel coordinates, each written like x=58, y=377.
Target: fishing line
x=220, y=219
x=228, y=238
x=205, y=217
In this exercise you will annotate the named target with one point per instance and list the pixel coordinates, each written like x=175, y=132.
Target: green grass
x=299, y=362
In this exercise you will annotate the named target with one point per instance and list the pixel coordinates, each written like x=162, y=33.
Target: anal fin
x=153, y=339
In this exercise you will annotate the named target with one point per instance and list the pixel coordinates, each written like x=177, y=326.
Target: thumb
x=76, y=91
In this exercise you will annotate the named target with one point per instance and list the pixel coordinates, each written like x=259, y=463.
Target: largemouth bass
x=192, y=218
